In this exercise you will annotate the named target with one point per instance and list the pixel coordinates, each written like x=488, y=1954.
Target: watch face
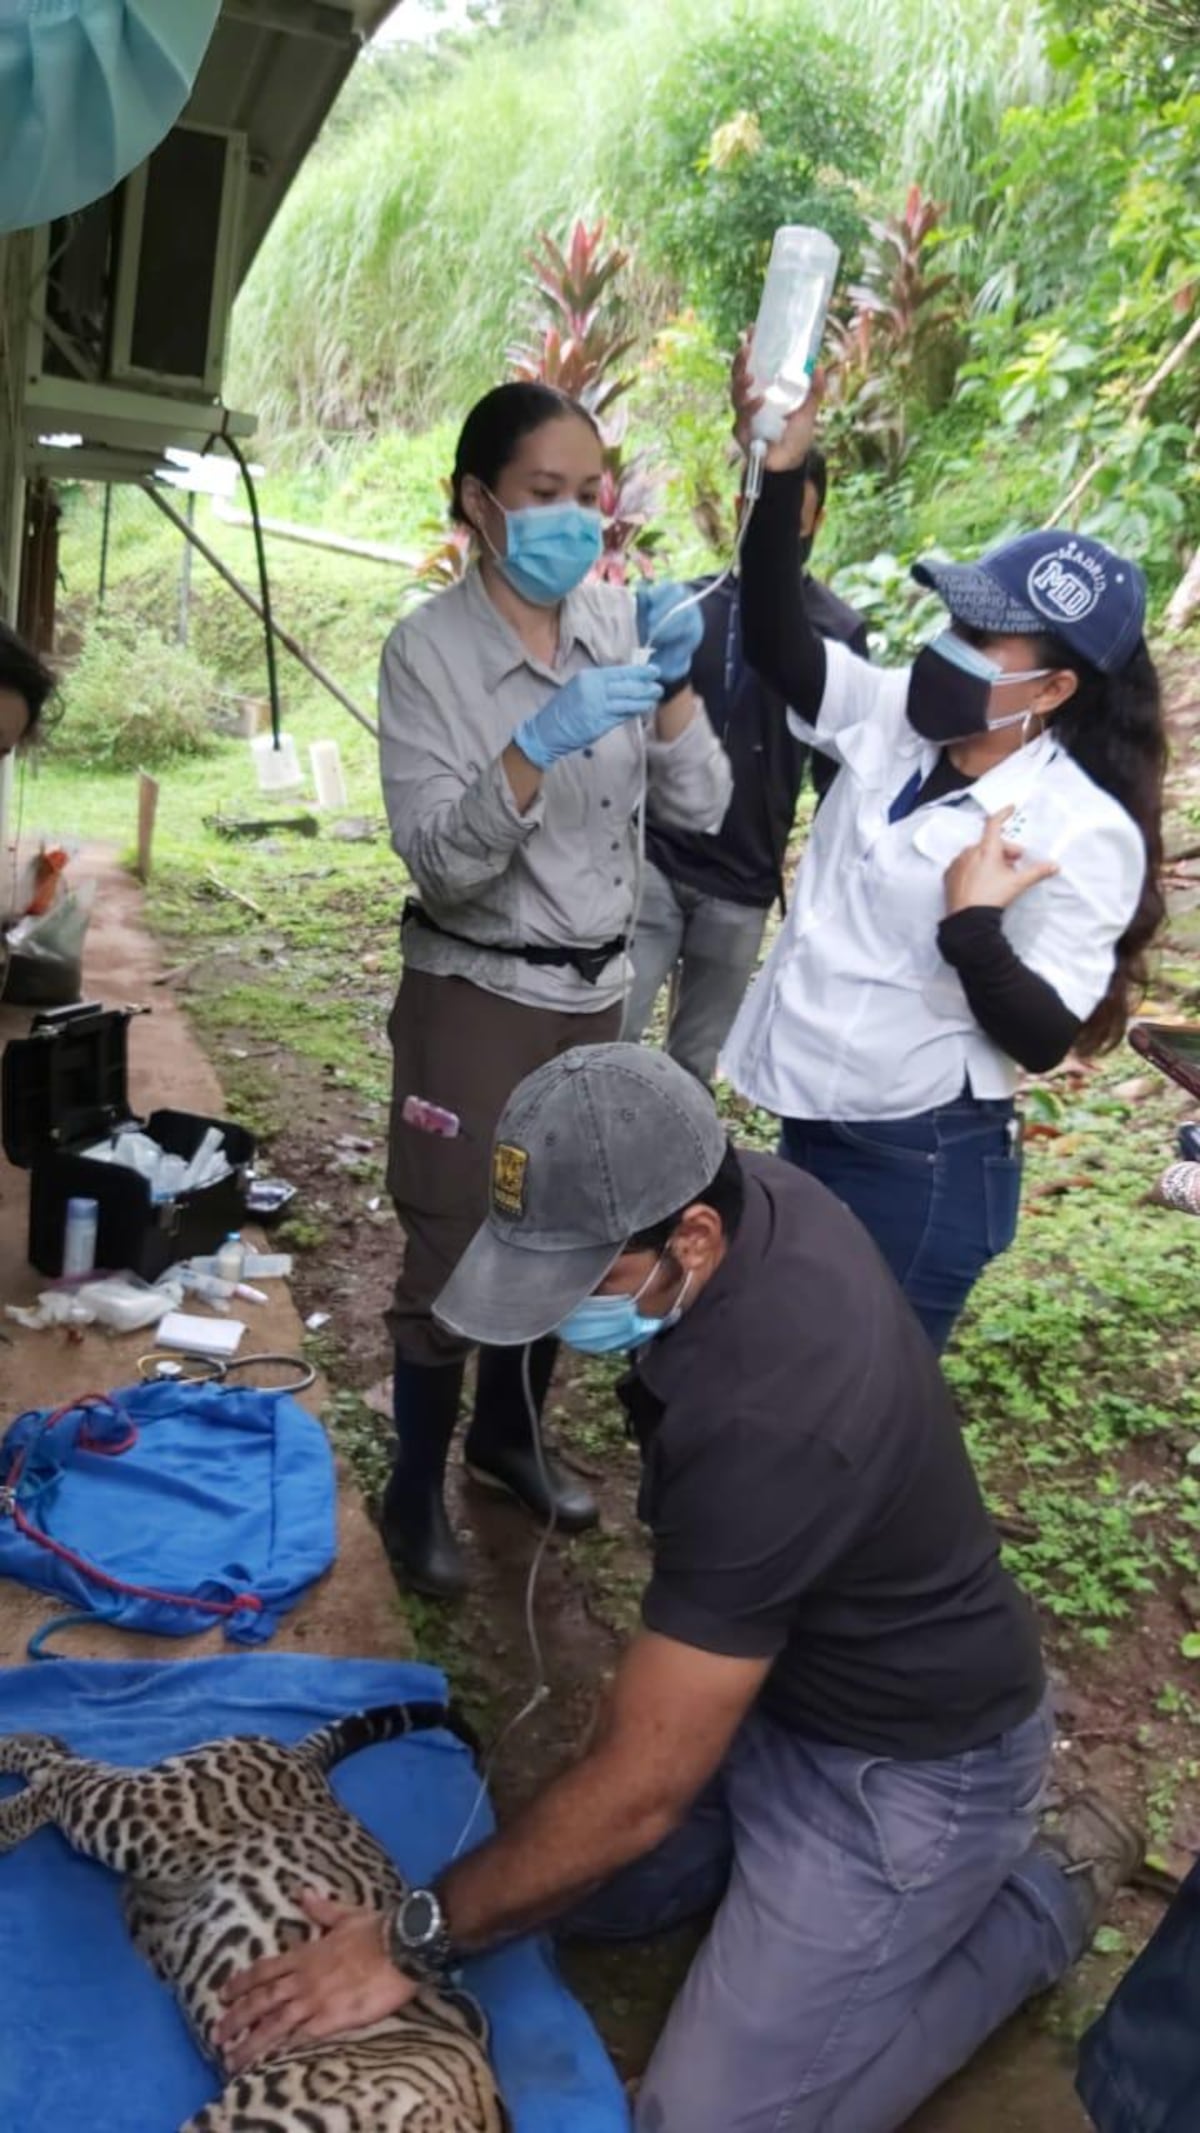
x=419, y=1918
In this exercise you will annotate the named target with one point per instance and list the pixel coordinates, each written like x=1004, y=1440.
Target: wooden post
x=147, y=811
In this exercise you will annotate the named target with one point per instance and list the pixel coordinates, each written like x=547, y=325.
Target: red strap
x=245, y=1603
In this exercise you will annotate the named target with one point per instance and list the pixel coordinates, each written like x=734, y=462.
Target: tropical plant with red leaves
x=896, y=350
x=575, y=345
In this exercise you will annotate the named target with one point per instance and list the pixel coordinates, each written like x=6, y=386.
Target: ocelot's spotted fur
x=215, y=1846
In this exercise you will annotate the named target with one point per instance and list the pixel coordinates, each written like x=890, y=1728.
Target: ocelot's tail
x=27, y=1754
x=386, y=1721
x=35, y=1756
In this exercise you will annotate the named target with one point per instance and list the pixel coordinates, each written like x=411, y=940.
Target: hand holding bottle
x=792, y=448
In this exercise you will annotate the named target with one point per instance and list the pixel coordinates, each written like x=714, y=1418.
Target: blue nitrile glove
x=585, y=708
x=673, y=637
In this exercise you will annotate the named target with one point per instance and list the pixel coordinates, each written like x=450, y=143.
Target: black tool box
x=66, y=1087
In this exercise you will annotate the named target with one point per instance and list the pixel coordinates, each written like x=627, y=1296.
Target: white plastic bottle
x=791, y=322
x=231, y=1259
x=79, y=1238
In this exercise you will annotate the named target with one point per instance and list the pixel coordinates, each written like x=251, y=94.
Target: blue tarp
x=91, y=2039
x=179, y=1493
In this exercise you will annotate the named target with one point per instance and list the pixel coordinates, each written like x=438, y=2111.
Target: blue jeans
x=1140, y=2063
x=876, y=1921
x=939, y=1193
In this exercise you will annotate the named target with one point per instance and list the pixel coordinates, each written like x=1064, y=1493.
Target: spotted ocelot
x=215, y=1846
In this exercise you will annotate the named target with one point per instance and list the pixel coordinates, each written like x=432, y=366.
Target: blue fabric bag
x=93, y=2040
x=171, y=1508
x=87, y=89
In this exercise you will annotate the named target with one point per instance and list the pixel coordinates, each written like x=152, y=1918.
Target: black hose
x=264, y=580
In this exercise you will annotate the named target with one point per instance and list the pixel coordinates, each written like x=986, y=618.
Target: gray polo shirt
x=455, y=683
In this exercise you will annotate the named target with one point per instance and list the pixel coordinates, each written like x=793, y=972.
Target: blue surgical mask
x=549, y=550
x=607, y=1325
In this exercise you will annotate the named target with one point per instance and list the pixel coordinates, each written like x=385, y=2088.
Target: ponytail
x=1113, y=727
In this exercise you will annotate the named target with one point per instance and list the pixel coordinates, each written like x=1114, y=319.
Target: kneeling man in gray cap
x=832, y=1730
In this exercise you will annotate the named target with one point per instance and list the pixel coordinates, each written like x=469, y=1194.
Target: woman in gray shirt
x=518, y=727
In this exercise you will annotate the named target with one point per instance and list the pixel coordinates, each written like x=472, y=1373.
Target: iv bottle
x=791, y=321
x=231, y=1259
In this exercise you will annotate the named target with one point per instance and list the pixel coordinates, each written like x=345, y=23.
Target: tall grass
x=394, y=278
x=949, y=70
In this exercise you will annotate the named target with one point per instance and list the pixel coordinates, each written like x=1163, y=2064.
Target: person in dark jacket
x=705, y=899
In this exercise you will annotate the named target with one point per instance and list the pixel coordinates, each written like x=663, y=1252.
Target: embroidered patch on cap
x=510, y=1168
x=1068, y=585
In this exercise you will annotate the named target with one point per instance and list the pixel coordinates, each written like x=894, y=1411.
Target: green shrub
x=133, y=702
x=763, y=121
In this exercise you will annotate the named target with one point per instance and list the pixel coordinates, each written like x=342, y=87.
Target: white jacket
x=856, y=1016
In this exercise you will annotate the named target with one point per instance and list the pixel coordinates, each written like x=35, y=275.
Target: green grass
x=393, y=281
x=1077, y=1364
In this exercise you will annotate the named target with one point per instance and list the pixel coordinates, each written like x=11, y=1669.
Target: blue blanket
x=172, y=1508
x=91, y=2039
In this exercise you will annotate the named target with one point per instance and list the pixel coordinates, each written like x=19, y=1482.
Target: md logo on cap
x=1068, y=585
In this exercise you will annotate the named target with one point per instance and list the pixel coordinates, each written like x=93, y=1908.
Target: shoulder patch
x=510, y=1167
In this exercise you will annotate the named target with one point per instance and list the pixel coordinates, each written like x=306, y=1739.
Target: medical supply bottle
x=79, y=1238
x=791, y=322
x=231, y=1259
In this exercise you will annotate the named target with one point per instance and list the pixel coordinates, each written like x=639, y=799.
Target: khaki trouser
x=465, y=1049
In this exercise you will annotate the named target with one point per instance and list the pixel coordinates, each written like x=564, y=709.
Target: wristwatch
x=418, y=1940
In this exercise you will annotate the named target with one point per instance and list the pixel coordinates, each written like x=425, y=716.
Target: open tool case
x=66, y=1087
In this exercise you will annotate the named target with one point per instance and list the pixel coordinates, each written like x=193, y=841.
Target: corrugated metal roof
x=273, y=70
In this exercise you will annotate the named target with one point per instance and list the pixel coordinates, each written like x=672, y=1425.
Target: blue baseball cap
x=1064, y=583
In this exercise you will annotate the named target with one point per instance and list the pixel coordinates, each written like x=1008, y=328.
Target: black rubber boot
x=416, y=1532
x=499, y=1450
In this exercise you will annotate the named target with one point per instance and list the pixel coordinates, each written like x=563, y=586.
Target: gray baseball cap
x=590, y=1149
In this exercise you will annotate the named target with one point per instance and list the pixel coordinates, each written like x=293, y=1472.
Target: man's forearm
x=583, y=1828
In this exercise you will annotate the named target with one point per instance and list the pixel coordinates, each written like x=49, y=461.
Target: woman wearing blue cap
x=979, y=890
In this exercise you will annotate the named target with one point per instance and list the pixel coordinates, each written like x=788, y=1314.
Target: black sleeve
x=860, y=643
x=778, y=639
x=1013, y=1006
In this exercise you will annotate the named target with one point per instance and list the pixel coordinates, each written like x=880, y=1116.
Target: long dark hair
x=1113, y=727
x=495, y=426
x=22, y=671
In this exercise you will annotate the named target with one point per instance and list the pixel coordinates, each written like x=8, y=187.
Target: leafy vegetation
x=134, y=701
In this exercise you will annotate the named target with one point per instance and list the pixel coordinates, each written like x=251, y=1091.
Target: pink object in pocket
x=430, y=1118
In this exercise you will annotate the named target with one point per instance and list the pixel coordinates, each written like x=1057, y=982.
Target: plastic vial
x=327, y=776
x=791, y=322
x=231, y=1259
x=79, y=1238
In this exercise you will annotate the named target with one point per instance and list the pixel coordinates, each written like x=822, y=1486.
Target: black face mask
x=950, y=688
